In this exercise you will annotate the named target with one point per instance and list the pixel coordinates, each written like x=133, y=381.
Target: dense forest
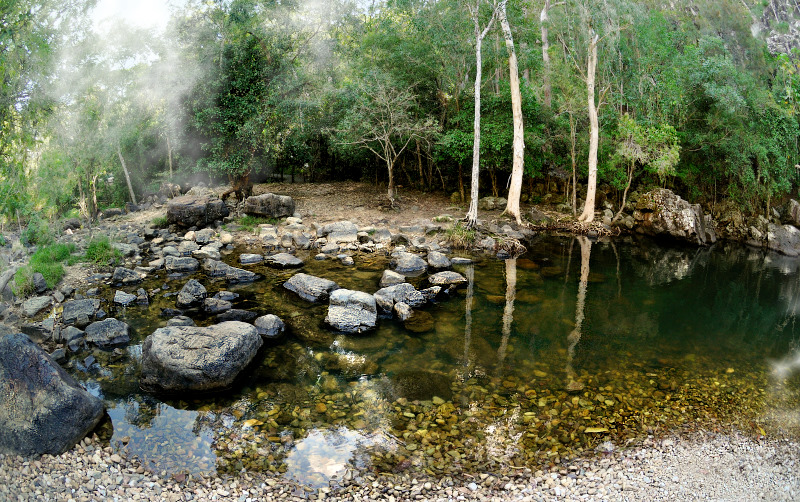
x=683, y=94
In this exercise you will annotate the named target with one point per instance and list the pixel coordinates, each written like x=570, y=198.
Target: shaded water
x=538, y=359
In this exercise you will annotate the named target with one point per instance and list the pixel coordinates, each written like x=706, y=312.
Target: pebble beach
x=698, y=466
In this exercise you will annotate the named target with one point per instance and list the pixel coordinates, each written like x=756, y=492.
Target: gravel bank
x=720, y=467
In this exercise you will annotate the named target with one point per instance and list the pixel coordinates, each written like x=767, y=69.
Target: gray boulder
x=195, y=211
x=447, y=278
x=270, y=327
x=662, y=213
x=80, y=312
x=216, y=268
x=216, y=305
x=108, y=332
x=236, y=315
x=39, y=284
x=269, y=205
x=180, y=320
x=408, y=263
x=123, y=298
x=310, y=288
x=125, y=276
x=784, y=239
x=438, y=260
x=386, y=298
x=284, y=260
x=190, y=358
x=351, y=311
x=791, y=213
x=125, y=249
x=390, y=278
x=250, y=259
x=339, y=228
x=402, y=311
x=180, y=265
x=42, y=408
x=33, y=306
x=191, y=294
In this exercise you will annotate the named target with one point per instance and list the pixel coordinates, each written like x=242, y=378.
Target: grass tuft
x=99, y=251
x=460, y=237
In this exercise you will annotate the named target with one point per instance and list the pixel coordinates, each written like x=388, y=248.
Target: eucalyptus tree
x=480, y=34
x=515, y=187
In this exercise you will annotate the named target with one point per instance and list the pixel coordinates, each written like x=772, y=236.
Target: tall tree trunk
x=127, y=176
x=391, y=191
x=93, y=187
x=472, y=213
x=548, y=91
x=169, y=155
x=515, y=190
x=573, y=138
x=594, y=134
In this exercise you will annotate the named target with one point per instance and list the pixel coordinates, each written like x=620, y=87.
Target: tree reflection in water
x=575, y=335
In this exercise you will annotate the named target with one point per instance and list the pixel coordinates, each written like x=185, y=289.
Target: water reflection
x=162, y=437
x=580, y=305
x=326, y=454
x=508, y=310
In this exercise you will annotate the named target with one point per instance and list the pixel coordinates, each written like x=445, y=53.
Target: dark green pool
x=572, y=347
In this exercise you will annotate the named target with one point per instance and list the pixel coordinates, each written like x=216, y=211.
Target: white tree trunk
x=594, y=133
x=472, y=213
x=515, y=189
x=544, y=20
x=127, y=176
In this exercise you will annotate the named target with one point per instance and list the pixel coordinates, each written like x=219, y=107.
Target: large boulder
x=408, y=264
x=270, y=327
x=42, y=409
x=269, y=205
x=406, y=293
x=125, y=276
x=80, y=312
x=108, y=332
x=438, y=260
x=390, y=278
x=340, y=231
x=216, y=268
x=447, y=278
x=284, y=260
x=311, y=288
x=33, y=306
x=180, y=265
x=662, y=213
x=351, y=311
x=191, y=294
x=191, y=358
x=784, y=239
x=195, y=211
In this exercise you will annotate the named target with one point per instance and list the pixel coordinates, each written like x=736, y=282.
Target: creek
x=576, y=347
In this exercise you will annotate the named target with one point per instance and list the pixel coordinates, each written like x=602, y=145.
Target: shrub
x=160, y=221
x=37, y=233
x=101, y=252
x=249, y=223
x=460, y=237
x=47, y=261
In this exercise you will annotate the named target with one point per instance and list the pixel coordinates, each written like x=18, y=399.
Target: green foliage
x=460, y=237
x=100, y=252
x=160, y=221
x=37, y=233
x=250, y=223
x=48, y=261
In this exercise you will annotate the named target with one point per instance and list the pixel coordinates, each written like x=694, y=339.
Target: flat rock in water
x=108, y=332
x=191, y=294
x=80, y=312
x=419, y=322
x=216, y=306
x=385, y=298
x=408, y=264
x=123, y=298
x=250, y=259
x=402, y=311
x=339, y=227
x=311, y=288
x=351, y=311
x=231, y=274
x=269, y=205
x=182, y=264
x=270, y=327
x=180, y=320
x=237, y=315
x=284, y=260
x=458, y=260
x=191, y=358
x=390, y=278
x=447, y=278
x=226, y=295
x=422, y=385
x=42, y=408
x=33, y=306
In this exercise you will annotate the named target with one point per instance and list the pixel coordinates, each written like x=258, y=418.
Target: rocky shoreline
x=694, y=466
x=730, y=466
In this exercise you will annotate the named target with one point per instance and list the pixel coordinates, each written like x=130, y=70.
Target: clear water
x=569, y=348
